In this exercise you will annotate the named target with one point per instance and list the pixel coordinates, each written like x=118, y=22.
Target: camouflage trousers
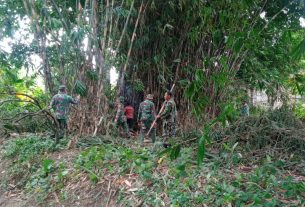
x=145, y=126
x=123, y=124
x=169, y=129
x=63, y=125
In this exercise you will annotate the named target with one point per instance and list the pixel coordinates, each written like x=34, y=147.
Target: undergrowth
x=29, y=166
x=153, y=179
x=118, y=172
x=277, y=133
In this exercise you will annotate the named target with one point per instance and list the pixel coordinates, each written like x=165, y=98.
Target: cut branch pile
x=23, y=120
x=276, y=132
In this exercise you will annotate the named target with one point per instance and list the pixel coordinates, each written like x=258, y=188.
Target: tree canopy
x=212, y=50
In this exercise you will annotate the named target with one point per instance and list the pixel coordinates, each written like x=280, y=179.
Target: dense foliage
x=217, y=53
x=212, y=50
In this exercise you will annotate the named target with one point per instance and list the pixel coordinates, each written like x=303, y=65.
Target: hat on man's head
x=150, y=96
x=62, y=87
x=122, y=99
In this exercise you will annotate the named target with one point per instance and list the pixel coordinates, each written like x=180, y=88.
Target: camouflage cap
x=150, y=96
x=121, y=98
x=62, y=87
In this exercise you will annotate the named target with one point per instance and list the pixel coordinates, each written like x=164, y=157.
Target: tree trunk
x=40, y=34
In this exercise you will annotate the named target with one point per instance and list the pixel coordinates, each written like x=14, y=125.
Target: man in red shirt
x=129, y=113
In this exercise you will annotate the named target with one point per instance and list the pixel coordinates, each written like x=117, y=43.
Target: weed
x=142, y=175
x=90, y=161
x=47, y=179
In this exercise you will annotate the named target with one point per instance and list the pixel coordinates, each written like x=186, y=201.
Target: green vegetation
x=149, y=175
x=218, y=54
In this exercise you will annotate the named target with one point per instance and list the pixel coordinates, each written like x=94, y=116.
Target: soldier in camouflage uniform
x=169, y=116
x=146, y=116
x=245, y=109
x=60, y=104
x=120, y=118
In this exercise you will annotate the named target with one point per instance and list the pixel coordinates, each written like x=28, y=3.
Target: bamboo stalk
x=130, y=48
x=40, y=34
x=105, y=28
x=126, y=23
x=117, y=23
x=110, y=27
x=62, y=19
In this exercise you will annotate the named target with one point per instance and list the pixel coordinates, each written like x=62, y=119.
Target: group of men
x=147, y=115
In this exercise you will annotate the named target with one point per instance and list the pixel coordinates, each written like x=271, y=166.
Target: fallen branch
x=35, y=102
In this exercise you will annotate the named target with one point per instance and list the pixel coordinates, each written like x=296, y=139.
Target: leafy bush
x=48, y=178
x=26, y=155
x=31, y=169
x=257, y=110
x=27, y=148
x=299, y=111
x=90, y=161
x=19, y=114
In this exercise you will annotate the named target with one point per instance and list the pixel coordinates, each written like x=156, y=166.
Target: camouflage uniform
x=245, y=110
x=60, y=104
x=146, y=116
x=169, y=116
x=120, y=117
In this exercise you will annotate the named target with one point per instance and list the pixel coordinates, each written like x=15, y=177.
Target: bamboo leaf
x=80, y=88
x=175, y=152
x=201, y=149
x=299, y=50
x=92, y=75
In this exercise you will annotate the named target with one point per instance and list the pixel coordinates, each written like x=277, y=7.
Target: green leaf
x=92, y=75
x=80, y=88
x=226, y=147
x=55, y=23
x=175, y=152
x=93, y=177
x=205, y=138
x=299, y=50
x=47, y=165
x=165, y=151
x=181, y=167
x=64, y=173
x=190, y=90
x=77, y=35
x=201, y=149
x=237, y=46
x=217, y=35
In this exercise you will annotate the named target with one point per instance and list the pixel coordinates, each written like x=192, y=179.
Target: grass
x=123, y=173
